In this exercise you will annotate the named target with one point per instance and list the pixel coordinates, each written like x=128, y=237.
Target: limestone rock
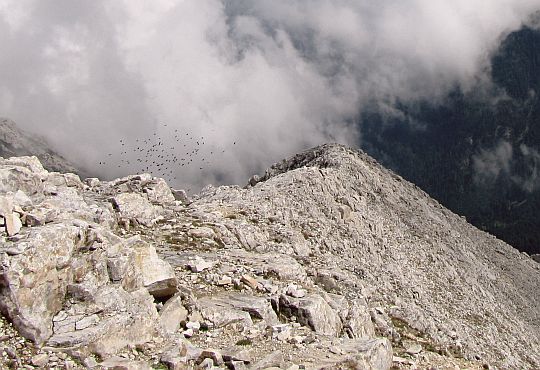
x=372, y=354
x=224, y=280
x=234, y=354
x=172, y=314
x=294, y=291
x=157, y=275
x=274, y=359
x=40, y=360
x=202, y=233
x=11, y=220
x=119, y=363
x=158, y=191
x=180, y=195
x=22, y=173
x=6, y=205
x=250, y=281
x=258, y=308
x=312, y=311
x=221, y=314
x=21, y=199
x=13, y=223
x=199, y=265
x=133, y=206
x=358, y=322
x=213, y=354
x=124, y=319
x=175, y=357
x=35, y=281
x=330, y=224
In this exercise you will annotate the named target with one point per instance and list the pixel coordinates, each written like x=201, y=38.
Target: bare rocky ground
x=326, y=261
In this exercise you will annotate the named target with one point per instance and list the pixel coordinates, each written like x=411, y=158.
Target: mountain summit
x=327, y=260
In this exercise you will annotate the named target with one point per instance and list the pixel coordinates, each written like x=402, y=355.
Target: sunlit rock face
x=326, y=260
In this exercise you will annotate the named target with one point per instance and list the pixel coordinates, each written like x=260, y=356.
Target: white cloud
x=489, y=164
x=273, y=76
x=530, y=180
x=501, y=160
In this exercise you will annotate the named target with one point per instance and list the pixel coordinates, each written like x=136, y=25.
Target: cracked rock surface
x=327, y=261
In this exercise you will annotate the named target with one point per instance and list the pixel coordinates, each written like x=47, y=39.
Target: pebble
x=213, y=354
x=10, y=352
x=294, y=291
x=199, y=265
x=40, y=360
x=413, y=349
x=90, y=362
x=249, y=281
x=224, y=280
x=193, y=325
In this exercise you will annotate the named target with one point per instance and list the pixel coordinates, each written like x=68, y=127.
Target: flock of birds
x=162, y=157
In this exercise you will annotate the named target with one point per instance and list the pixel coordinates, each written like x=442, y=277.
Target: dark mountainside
x=477, y=152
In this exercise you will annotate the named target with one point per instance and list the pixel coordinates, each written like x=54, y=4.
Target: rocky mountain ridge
x=15, y=142
x=327, y=260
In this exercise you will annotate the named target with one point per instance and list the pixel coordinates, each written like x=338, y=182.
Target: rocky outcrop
x=312, y=311
x=16, y=142
x=325, y=261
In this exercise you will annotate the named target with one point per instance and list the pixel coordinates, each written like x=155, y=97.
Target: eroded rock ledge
x=326, y=261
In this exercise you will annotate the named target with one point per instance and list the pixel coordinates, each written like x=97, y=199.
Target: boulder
x=21, y=199
x=174, y=357
x=6, y=205
x=30, y=163
x=221, y=314
x=158, y=191
x=22, y=173
x=118, y=319
x=202, y=233
x=274, y=359
x=358, y=322
x=157, y=275
x=180, y=195
x=89, y=275
x=365, y=354
x=13, y=223
x=172, y=314
x=312, y=311
x=136, y=208
x=40, y=360
x=213, y=354
x=199, y=265
x=250, y=281
x=259, y=308
x=34, y=282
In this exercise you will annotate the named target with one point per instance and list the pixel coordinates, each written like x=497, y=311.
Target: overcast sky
x=250, y=81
